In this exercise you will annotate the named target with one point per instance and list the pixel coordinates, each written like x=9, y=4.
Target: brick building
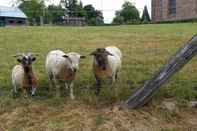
x=174, y=10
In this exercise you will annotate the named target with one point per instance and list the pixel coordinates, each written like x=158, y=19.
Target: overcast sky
x=107, y=6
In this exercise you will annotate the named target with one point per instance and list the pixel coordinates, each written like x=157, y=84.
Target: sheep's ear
x=65, y=56
x=108, y=53
x=82, y=57
x=19, y=60
x=33, y=59
x=93, y=53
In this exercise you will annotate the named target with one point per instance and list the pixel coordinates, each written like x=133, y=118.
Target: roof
x=11, y=12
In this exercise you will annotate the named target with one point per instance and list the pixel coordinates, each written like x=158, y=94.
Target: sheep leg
x=33, y=90
x=98, y=85
x=110, y=82
x=14, y=94
x=24, y=92
x=57, y=88
x=66, y=85
x=112, y=79
x=51, y=83
x=116, y=76
x=15, y=89
x=71, y=91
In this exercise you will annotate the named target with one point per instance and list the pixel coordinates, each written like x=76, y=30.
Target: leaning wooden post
x=144, y=94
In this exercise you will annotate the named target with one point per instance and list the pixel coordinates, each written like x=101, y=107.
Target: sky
x=108, y=7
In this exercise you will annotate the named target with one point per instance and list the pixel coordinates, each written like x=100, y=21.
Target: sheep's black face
x=101, y=57
x=101, y=60
x=26, y=60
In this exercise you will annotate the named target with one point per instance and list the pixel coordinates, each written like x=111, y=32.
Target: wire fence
x=141, y=56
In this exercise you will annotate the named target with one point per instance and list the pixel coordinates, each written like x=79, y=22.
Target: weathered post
x=144, y=94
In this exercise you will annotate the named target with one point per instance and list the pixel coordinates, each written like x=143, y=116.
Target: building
x=12, y=16
x=74, y=21
x=174, y=10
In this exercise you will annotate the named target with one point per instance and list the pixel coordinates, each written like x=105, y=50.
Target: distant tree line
x=55, y=14
x=129, y=14
x=36, y=10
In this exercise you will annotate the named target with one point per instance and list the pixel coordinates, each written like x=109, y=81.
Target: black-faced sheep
x=106, y=64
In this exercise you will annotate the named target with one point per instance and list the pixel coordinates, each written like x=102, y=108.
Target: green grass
x=145, y=48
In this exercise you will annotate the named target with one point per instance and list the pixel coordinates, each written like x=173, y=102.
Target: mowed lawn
x=145, y=49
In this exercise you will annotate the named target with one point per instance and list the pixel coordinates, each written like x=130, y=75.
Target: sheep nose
x=75, y=70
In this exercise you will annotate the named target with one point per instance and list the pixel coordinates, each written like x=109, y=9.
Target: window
x=196, y=5
x=11, y=22
x=161, y=10
x=172, y=7
x=19, y=22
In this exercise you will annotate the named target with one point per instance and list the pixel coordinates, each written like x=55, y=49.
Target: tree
x=128, y=14
x=33, y=9
x=54, y=14
x=99, y=18
x=145, y=15
x=118, y=19
x=93, y=16
x=73, y=8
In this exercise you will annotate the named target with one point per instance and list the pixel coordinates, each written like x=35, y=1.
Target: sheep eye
x=24, y=59
x=33, y=59
x=68, y=58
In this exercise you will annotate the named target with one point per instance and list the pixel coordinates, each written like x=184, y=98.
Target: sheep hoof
x=14, y=95
x=32, y=95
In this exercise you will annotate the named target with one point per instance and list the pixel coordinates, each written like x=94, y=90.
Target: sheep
x=23, y=76
x=106, y=64
x=62, y=67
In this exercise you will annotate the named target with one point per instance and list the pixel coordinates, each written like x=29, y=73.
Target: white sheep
x=23, y=76
x=106, y=64
x=62, y=67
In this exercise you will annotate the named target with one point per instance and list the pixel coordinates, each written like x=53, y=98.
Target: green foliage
x=93, y=16
x=145, y=16
x=128, y=14
x=33, y=9
x=118, y=19
x=54, y=14
x=73, y=8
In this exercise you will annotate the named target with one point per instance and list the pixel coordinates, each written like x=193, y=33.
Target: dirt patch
x=76, y=116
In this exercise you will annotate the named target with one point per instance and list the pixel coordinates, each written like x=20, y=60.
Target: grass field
x=145, y=49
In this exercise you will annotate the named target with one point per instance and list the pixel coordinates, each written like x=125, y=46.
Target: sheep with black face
x=23, y=76
x=62, y=67
x=106, y=64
